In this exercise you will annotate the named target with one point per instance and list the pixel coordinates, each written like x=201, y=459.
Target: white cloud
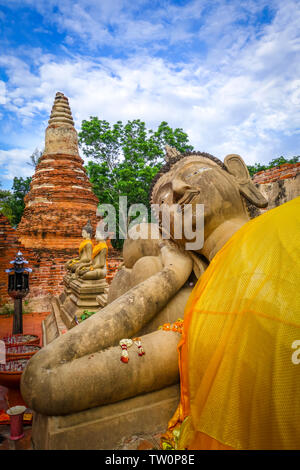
x=14, y=162
x=2, y=93
x=125, y=24
x=242, y=98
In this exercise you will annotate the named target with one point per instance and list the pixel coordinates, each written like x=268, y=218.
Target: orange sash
x=83, y=244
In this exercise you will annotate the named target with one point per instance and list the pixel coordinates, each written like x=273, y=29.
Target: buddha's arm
x=101, y=378
x=86, y=255
x=123, y=318
x=100, y=259
x=103, y=258
x=82, y=267
x=71, y=261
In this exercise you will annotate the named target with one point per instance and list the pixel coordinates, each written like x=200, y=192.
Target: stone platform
x=78, y=296
x=106, y=427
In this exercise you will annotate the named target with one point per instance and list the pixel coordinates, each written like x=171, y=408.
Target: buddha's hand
x=68, y=264
x=174, y=257
x=80, y=271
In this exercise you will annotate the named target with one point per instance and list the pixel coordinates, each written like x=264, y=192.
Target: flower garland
x=138, y=343
x=125, y=344
x=177, y=326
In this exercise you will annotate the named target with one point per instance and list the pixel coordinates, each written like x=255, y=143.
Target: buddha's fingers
x=101, y=378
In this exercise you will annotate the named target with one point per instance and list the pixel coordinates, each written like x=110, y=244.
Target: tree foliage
x=5, y=208
x=12, y=202
x=130, y=142
x=126, y=157
x=35, y=158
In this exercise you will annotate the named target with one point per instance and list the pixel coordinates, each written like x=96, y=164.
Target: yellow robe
x=239, y=366
x=81, y=246
x=99, y=247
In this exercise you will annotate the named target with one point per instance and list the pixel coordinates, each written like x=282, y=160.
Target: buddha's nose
x=179, y=187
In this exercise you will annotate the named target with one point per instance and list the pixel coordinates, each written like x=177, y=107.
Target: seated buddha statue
x=85, y=250
x=152, y=287
x=96, y=269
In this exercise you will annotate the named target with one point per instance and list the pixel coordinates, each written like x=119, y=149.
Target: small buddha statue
x=85, y=250
x=96, y=268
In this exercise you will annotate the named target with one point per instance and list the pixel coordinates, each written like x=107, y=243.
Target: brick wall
x=112, y=267
x=47, y=265
x=278, y=185
x=9, y=246
x=285, y=171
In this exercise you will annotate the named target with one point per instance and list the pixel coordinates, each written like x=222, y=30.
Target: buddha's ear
x=236, y=167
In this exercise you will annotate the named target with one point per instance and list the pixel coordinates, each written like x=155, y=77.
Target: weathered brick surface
x=285, y=171
x=58, y=205
x=47, y=264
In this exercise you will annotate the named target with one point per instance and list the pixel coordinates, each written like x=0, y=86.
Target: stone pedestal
x=104, y=427
x=79, y=295
x=67, y=289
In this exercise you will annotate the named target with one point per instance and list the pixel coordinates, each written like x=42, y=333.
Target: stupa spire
x=61, y=112
x=61, y=136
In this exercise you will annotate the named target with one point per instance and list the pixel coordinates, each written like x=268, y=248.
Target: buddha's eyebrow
x=198, y=170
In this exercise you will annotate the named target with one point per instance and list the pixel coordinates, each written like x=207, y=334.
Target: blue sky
x=226, y=71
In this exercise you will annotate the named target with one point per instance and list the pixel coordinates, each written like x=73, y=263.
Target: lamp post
x=18, y=287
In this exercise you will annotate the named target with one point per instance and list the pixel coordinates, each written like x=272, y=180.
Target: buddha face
x=192, y=181
x=100, y=235
x=85, y=234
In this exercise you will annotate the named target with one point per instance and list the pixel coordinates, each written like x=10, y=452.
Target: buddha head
x=101, y=231
x=87, y=231
x=193, y=178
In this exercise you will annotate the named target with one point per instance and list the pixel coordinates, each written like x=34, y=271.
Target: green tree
x=20, y=188
x=126, y=157
x=103, y=142
x=5, y=205
x=12, y=202
x=35, y=158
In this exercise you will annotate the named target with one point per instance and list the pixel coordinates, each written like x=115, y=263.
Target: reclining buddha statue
x=152, y=288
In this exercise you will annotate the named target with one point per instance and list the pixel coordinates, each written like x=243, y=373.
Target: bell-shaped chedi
x=60, y=200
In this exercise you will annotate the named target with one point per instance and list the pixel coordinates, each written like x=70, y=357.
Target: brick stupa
x=60, y=200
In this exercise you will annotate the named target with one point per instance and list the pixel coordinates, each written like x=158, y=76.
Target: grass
x=8, y=309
